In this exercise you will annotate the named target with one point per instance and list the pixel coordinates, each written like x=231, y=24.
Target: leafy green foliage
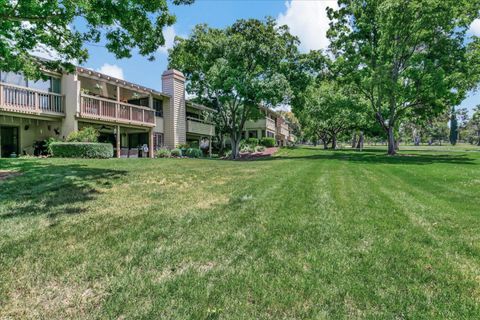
x=81, y=150
x=267, y=142
x=47, y=26
x=453, y=127
x=329, y=110
x=87, y=134
x=407, y=58
x=194, y=153
x=163, y=153
x=259, y=148
x=236, y=69
x=176, y=153
x=48, y=143
x=473, y=127
x=252, y=141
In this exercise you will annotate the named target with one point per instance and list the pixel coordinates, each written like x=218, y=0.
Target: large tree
x=329, y=110
x=49, y=26
x=453, y=127
x=237, y=69
x=473, y=127
x=407, y=58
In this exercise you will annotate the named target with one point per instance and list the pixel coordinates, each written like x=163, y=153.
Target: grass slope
x=309, y=234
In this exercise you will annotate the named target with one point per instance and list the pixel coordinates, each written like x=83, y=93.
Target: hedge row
x=81, y=150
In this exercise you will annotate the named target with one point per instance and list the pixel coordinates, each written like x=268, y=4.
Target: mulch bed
x=258, y=155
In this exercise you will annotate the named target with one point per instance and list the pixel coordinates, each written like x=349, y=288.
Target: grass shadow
x=45, y=188
x=378, y=156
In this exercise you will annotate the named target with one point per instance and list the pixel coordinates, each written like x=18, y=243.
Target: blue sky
x=306, y=19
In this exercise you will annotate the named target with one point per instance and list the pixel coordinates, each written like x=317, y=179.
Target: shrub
x=228, y=154
x=252, y=141
x=176, y=153
x=48, y=142
x=183, y=146
x=163, y=153
x=81, y=150
x=247, y=148
x=194, y=153
x=259, y=148
x=87, y=134
x=267, y=142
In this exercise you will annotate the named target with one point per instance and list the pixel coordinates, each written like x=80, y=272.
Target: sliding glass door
x=9, y=141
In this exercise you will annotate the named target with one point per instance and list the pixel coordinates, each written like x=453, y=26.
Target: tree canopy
x=237, y=69
x=33, y=26
x=329, y=110
x=407, y=58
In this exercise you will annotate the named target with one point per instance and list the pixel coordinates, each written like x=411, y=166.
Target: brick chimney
x=174, y=113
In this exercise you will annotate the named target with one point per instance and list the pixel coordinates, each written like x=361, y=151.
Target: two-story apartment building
x=271, y=125
x=126, y=114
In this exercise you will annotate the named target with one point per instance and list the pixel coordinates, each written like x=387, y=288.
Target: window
x=270, y=134
x=51, y=84
x=263, y=133
x=158, y=106
x=193, y=115
x=253, y=134
x=157, y=140
x=139, y=102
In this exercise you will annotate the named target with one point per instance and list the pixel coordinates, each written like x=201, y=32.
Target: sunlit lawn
x=308, y=234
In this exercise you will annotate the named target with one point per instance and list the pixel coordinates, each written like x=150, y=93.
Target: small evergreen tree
x=453, y=127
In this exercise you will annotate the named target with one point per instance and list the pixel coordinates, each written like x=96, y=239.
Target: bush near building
x=81, y=150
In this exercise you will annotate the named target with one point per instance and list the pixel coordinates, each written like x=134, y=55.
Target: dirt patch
x=268, y=152
x=5, y=174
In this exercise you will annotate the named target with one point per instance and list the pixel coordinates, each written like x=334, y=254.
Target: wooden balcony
x=97, y=108
x=197, y=126
x=25, y=100
x=263, y=123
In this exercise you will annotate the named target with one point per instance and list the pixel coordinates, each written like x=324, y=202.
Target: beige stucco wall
x=37, y=130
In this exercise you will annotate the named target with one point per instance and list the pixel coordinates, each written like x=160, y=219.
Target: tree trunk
x=235, y=148
x=354, y=140
x=325, y=144
x=391, y=141
x=221, y=141
x=334, y=141
x=478, y=142
x=360, y=141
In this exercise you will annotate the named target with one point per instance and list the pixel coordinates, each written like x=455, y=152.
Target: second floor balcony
x=200, y=127
x=19, y=99
x=97, y=108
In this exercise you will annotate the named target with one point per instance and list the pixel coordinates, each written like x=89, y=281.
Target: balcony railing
x=27, y=100
x=200, y=127
x=109, y=110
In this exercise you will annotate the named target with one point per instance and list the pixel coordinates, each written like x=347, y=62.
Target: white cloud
x=169, y=33
x=112, y=70
x=475, y=27
x=308, y=20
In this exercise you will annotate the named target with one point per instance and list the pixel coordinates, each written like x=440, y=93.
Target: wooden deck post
x=210, y=147
x=118, y=142
x=151, y=152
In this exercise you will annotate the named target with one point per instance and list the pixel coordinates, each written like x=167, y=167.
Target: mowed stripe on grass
x=306, y=234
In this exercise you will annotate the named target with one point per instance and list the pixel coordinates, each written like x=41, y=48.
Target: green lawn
x=309, y=234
